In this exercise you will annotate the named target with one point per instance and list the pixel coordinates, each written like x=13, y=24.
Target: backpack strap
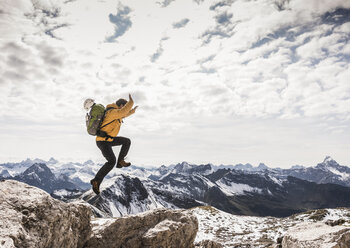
x=107, y=124
x=104, y=117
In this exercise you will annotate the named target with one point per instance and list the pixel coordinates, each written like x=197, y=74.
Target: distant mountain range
x=39, y=175
x=329, y=171
x=239, y=189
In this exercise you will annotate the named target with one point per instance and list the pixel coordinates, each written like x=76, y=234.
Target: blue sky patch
x=121, y=21
x=181, y=23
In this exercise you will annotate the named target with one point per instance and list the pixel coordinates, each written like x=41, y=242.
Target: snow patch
x=230, y=188
x=344, y=176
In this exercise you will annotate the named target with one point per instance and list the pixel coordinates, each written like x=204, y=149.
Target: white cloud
x=229, y=59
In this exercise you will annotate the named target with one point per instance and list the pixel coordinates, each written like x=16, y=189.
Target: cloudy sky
x=222, y=82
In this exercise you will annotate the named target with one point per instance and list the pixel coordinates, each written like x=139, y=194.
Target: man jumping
x=110, y=127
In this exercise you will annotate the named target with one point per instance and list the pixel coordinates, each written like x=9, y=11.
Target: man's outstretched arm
x=132, y=111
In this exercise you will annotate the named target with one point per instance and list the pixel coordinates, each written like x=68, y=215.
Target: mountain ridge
x=183, y=185
x=246, y=167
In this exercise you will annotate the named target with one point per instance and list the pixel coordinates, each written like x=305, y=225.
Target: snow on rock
x=301, y=230
x=126, y=195
x=208, y=244
x=328, y=159
x=343, y=175
x=5, y=174
x=233, y=230
x=157, y=228
x=230, y=188
x=308, y=235
x=30, y=217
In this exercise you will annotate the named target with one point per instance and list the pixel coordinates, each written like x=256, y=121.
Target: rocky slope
x=29, y=217
x=317, y=235
x=324, y=228
x=162, y=228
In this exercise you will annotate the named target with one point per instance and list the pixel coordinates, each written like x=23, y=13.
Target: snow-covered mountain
x=40, y=175
x=5, y=174
x=329, y=171
x=13, y=169
x=240, y=189
x=243, y=167
x=236, y=192
x=78, y=173
x=127, y=195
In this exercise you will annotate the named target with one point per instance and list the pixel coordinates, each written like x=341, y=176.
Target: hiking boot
x=122, y=164
x=95, y=186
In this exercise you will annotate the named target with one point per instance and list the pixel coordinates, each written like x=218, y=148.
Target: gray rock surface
x=30, y=217
x=311, y=235
x=208, y=244
x=158, y=228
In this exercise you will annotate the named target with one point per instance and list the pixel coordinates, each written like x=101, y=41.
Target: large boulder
x=318, y=234
x=158, y=228
x=30, y=217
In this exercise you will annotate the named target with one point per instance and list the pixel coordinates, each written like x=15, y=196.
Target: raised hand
x=133, y=110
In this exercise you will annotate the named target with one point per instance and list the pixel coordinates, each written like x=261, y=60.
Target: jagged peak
x=184, y=163
x=241, y=166
x=327, y=162
x=87, y=162
x=29, y=161
x=328, y=159
x=262, y=166
x=52, y=160
x=204, y=169
x=5, y=173
x=297, y=167
x=38, y=167
x=184, y=166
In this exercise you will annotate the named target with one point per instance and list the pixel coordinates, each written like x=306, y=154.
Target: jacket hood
x=112, y=105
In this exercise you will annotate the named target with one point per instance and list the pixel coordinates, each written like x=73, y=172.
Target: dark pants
x=107, y=151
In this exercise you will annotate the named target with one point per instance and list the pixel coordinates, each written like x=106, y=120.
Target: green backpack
x=94, y=120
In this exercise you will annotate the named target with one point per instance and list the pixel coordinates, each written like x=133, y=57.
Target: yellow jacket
x=115, y=116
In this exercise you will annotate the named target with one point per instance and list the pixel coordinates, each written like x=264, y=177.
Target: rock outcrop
x=158, y=228
x=30, y=217
x=309, y=235
x=327, y=228
x=208, y=244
